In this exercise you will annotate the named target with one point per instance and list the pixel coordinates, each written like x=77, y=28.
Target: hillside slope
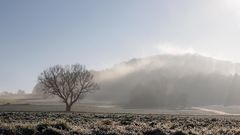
x=170, y=81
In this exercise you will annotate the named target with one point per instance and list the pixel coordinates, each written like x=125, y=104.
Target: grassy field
x=49, y=123
x=45, y=117
x=97, y=108
x=40, y=105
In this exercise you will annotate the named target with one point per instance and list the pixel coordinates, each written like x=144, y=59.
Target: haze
x=38, y=34
x=135, y=67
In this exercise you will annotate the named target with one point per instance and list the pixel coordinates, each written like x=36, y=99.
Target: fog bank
x=170, y=81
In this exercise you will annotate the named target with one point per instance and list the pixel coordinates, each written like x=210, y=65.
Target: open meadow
x=49, y=123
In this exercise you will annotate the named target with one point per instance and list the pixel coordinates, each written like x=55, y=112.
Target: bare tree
x=21, y=92
x=69, y=83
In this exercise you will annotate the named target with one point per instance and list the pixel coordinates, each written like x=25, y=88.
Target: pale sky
x=100, y=33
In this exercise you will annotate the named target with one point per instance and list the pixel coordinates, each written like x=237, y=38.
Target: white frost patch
x=213, y=111
x=106, y=106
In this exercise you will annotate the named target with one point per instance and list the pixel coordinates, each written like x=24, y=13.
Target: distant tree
x=6, y=93
x=69, y=83
x=21, y=92
x=38, y=91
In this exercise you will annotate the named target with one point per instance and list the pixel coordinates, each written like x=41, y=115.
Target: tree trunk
x=68, y=108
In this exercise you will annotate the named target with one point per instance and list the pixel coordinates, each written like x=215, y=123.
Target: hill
x=170, y=81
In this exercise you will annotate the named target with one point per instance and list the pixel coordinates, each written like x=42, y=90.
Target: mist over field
x=170, y=81
x=186, y=52
x=120, y=67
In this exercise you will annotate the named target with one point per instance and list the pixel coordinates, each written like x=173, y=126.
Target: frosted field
x=53, y=106
x=112, y=120
x=47, y=123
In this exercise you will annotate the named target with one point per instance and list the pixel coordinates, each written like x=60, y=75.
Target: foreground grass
x=45, y=123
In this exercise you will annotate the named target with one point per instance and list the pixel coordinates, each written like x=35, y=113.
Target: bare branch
x=70, y=83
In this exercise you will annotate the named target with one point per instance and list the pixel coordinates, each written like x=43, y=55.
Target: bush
x=41, y=127
x=106, y=122
x=179, y=133
x=154, y=132
x=50, y=131
x=61, y=126
x=24, y=131
x=6, y=131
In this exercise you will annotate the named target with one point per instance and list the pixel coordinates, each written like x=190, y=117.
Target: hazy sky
x=100, y=33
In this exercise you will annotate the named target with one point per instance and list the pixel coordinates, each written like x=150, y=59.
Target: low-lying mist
x=166, y=81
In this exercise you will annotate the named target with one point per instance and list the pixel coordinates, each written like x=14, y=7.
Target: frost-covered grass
x=46, y=123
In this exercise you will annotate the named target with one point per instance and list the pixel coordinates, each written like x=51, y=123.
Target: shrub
x=106, y=122
x=154, y=132
x=179, y=133
x=6, y=131
x=24, y=131
x=50, y=131
x=61, y=126
x=41, y=127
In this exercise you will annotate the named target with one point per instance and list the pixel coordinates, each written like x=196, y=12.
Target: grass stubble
x=52, y=123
